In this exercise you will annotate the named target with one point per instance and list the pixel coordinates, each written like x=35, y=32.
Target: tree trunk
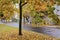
x=20, y=21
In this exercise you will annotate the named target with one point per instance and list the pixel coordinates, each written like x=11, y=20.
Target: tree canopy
x=40, y=7
x=7, y=7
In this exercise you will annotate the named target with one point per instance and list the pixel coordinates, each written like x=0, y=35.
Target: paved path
x=1, y=22
x=13, y=24
x=52, y=31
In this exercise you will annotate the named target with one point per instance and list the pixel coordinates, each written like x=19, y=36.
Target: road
x=51, y=31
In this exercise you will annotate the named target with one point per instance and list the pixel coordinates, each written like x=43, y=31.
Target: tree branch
x=24, y=4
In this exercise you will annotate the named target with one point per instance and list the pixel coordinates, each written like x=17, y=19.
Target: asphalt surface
x=51, y=31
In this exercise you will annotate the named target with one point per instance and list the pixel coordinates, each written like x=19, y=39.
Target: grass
x=45, y=25
x=6, y=28
x=11, y=33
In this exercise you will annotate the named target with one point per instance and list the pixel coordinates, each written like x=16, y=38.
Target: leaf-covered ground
x=11, y=33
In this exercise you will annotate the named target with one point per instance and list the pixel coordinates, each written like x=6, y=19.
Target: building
x=57, y=10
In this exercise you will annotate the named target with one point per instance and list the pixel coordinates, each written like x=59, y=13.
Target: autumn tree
x=45, y=7
x=7, y=8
